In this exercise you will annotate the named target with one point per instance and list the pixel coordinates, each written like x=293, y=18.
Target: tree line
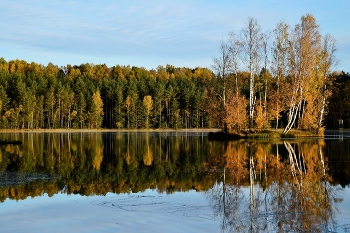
x=279, y=79
x=92, y=96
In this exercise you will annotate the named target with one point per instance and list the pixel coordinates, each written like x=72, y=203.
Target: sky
x=147, y=34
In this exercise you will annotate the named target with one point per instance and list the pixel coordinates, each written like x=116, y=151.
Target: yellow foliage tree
x=260, y=119
x=148, y=103
x=96, y=114
x=236, y=114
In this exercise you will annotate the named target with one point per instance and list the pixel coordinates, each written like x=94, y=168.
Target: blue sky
x=149, y=33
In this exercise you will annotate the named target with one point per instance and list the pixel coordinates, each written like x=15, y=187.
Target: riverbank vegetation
x=281, y=79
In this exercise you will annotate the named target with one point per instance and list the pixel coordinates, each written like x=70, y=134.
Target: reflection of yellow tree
x=236, y=160
x=98, y=157
x=148, y=158
x=97, y=152
x=297, y=195
x=310, y=191
x=148, y=155
x=262, y=157
x=128, y=155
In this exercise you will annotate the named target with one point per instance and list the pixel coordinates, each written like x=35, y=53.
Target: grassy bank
x=266, y=134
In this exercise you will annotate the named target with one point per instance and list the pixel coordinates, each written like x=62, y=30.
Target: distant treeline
x=93, y=96
x=35, y=96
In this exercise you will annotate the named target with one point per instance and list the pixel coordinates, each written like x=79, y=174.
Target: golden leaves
x=235, y=114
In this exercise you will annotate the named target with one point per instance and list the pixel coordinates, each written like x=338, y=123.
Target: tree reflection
x=98, y=163
x=252, y=185
x=281, y=188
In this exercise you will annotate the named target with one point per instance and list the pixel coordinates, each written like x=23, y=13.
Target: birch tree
x=223, y=65
x=327, y=61
x=251, y=37
x=265, y=43
x=235, y=51
x=279, y=65
x=306, y=46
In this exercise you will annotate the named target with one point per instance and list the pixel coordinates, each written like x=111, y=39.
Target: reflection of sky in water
x=149, y=211
x=343, y=218
x=141, y=212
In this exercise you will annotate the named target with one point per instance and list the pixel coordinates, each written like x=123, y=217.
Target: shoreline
x=214, y=133
x=206, y=130
x=277, y=134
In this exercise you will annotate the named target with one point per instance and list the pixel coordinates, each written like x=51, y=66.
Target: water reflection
x=97, y=163
x=252, y=186
x=279, y=187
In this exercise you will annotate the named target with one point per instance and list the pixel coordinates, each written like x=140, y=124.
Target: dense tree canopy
x=92, y=96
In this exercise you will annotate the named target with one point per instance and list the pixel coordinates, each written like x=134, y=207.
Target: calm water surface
x=174, y=182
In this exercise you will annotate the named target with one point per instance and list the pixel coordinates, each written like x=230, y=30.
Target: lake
x=173, y=182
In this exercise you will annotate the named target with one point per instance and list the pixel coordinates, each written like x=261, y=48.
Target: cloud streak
x=163, y=31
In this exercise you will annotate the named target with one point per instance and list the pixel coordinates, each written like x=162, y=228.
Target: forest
x=280, y=79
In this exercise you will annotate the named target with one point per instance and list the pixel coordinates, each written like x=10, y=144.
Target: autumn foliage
x=289, y=75
x=235, y=114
